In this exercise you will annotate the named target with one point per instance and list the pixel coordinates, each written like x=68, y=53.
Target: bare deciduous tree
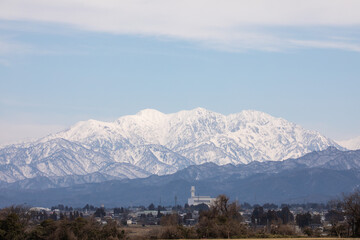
x=351, y=205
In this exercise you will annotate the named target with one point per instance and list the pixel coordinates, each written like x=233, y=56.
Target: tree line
x=221, y=220
x=15, y=224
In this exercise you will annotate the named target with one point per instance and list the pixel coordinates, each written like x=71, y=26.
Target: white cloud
x=230, y=24
x=327, y=44
x=7, y=46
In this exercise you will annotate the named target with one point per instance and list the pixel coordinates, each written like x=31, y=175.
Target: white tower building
x=196, y=200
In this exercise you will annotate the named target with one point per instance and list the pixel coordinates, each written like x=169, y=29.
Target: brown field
x=297, y=238
x=140, y=232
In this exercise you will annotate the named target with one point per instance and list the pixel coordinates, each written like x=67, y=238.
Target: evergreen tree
x=151, y=206
x=12, y=227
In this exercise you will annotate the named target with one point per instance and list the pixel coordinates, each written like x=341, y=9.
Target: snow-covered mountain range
x=152, y=142
x=351, y=144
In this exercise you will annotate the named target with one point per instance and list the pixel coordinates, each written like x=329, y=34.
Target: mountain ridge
x=329, y=159
x=290, y=181
x=351, y=144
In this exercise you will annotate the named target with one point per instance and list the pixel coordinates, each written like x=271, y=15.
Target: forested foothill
x=224, y=219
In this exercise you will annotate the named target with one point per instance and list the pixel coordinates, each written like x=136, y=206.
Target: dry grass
x=140, y=232
x=334, y=238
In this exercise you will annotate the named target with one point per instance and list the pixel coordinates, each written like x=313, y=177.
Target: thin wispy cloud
x=11, y=46
x=5, y=62
x=327, y=44
x=8, y=46
x=226, y=25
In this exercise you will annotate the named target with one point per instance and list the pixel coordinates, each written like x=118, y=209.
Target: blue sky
x=59, y=67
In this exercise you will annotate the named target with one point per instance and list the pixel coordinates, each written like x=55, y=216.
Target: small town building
x=196, y=200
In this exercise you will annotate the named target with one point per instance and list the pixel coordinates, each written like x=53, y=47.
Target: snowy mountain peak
x=194, y=114
x=151, y=114
x=201, y=111
x=255, y=117
x=84, y=130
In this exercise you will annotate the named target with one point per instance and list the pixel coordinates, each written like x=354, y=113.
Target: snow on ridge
x=351, y=144
x=151, y=114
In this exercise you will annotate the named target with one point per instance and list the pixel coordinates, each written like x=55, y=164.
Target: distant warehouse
x=196, y=200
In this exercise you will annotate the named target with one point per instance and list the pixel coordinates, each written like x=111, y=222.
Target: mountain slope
x=315, y=177
x=331, y=159
x=152, y=142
